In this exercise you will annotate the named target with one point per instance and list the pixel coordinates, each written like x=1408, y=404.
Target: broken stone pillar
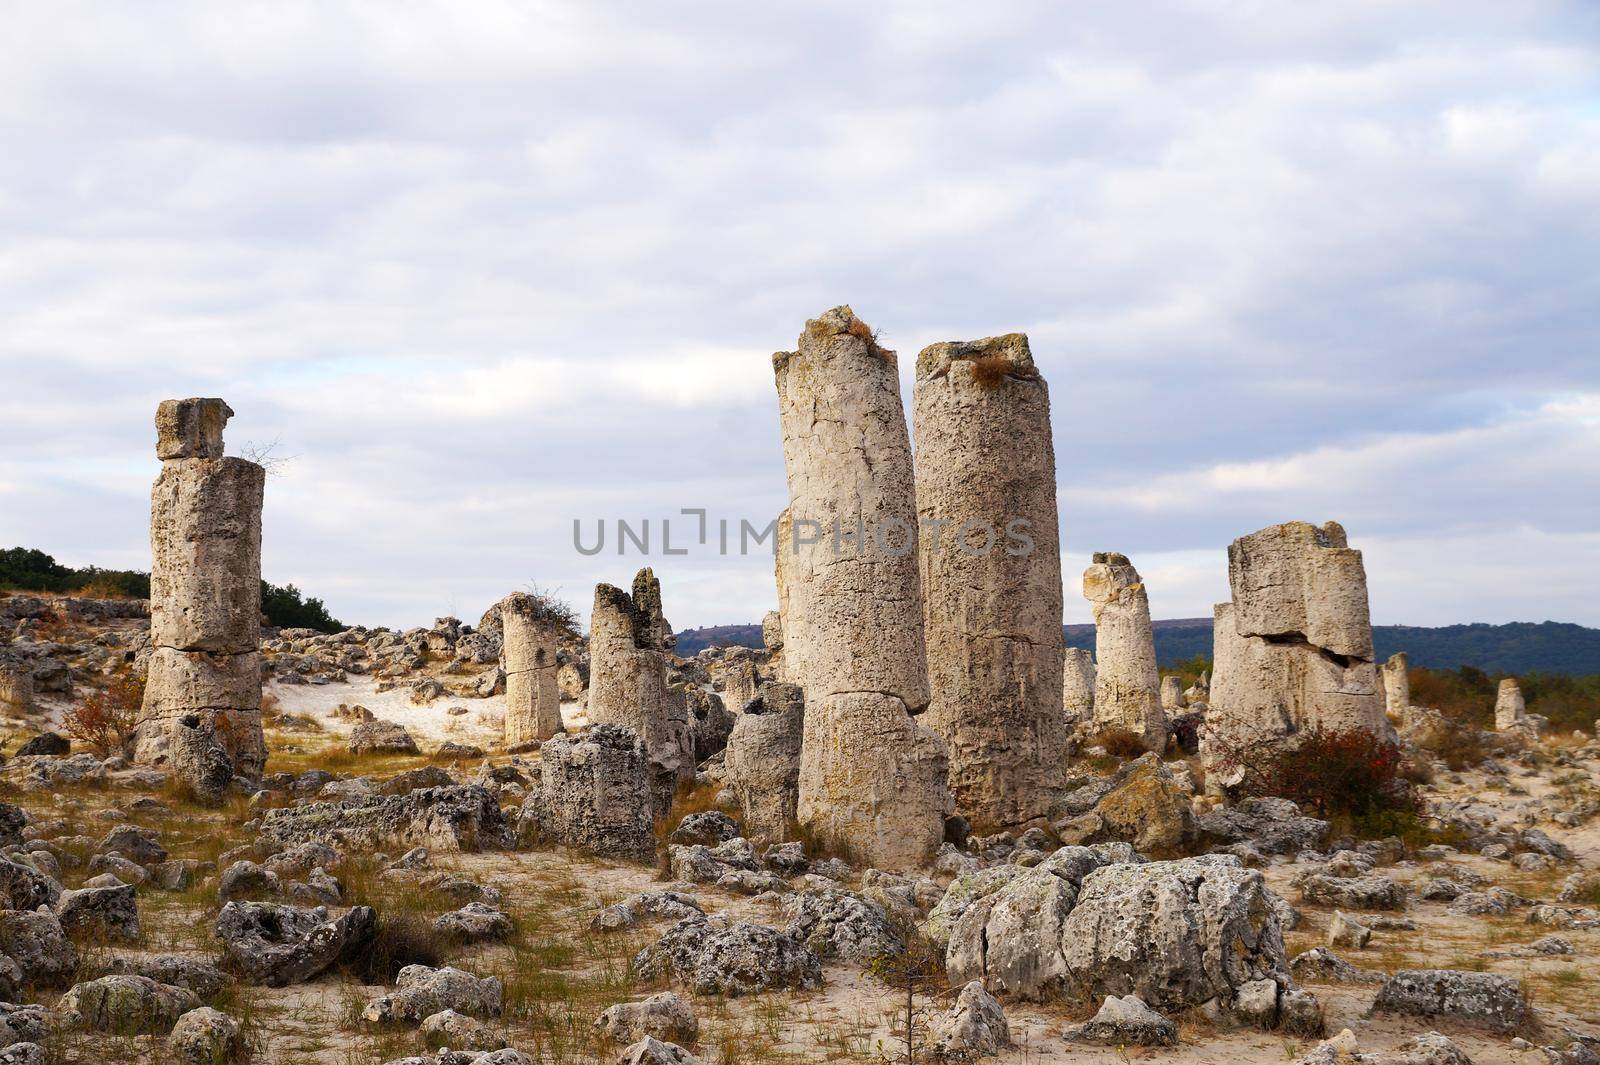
x=872, y=780
x=1199, y=693
x=1127, y=692
x=772, y=634
x=1396, y=685
x=595, y=794
x=1510, y=709
x=991, y=576
x=1293, y=650
x=202, y=701
x=1171, y=694
x=16, y=689
x=1077, y=687
x=739, y=679
x=762, y=762
x=628, y=676
x=529, y=645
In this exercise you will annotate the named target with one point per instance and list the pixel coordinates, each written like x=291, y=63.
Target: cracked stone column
x=529, y=645
x=629, y=642
x=1510, y=709
x=872, y=780
x=990, y=563
x=762, y=761
x=1127, y=693
x=1293, y=649
x=1397, y=684
x=202, y=702
x=1171, y=694
x=1077, y=687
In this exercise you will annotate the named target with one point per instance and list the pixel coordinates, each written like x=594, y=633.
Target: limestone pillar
x=762, y=762
x=990, y=563
x=1127, y=692
x=1077, y=687
x=628, y=675
x=872, y=780
x=1171, y=694
x=1294, y=647
x=1510, y=709
x=16, y=689
x=529, y=645
x=1396, y=685
x=202, y=702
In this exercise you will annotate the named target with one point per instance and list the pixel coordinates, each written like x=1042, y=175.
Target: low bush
x=1120, y=742
x=105, y=720
x=1348, y=773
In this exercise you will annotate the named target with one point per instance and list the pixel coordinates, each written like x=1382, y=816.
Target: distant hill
x=1517, y=647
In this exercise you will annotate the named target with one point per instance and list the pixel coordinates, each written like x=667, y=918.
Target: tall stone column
x=628, y=645
x=872, y=780
x=1294, y=647
x=528, y=653
x=990, y=563
x=1510, y=709
x=1397, y=685
x=762, y=762
x=1077, y=687
x=1127, y=692
x=202, y=702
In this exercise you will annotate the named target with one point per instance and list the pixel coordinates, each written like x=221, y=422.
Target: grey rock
x=652, y=1051
x=1483, y=1000
x=206, y=1036
x=667, y=1016
x=128, y=1005
x=449, y=1028
x=381, y=737
x=842, y=924
x=421, y=991
x=281, y=945
x=457, y=818
x=974, y=1027
x=108, y=913
x=474, y=923
x=737, y=959
x=37, y=944
x=1373, y=892
x=1125, y=1021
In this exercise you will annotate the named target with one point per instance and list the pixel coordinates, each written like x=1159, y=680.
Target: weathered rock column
x=1077, y=687
x=872, y=781
x=1510, y=709
x=202, y=701
x=16, y=689
x=1127, y=691
x=1294, y=648
x=762, y=762
x=628, y=645
x=529, y=645
x=1171, y=694
x=991, y=576
x=1397, y=685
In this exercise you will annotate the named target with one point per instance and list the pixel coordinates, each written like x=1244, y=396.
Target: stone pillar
x=991, y=576
x=202, y=702
x=529, y=646
x=772, y=635
x=1294, y=647
x=1077, y=687
x=1510, y=709
x=872, y=781
x=1171, y=694
x=1397, y=685
x=762, y=763
x=16, y=689
x=628, y=676
x=595, y=794
x=1127, y=693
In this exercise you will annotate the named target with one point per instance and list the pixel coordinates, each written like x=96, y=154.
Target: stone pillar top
x=190, y=428
x=1001, y=356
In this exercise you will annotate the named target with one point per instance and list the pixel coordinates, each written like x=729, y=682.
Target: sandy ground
x=433, y=724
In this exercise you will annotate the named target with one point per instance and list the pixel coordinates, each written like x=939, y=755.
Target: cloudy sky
x=481, y=269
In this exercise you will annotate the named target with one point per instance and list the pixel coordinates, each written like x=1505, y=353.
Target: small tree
x=105, y=720
x=916, y=970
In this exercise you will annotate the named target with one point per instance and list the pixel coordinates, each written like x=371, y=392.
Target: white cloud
x=484, y=264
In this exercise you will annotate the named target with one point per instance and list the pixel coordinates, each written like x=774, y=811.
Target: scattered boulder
x=708, y=829
x=652, y=1051
x=1321, y=965
x=105, y=913
x=46, y=743
x=667, y=1016
x=381, y=737
x=24, y=888
x=1346, y=931
x=281, y=945
x=474, y=923
x=203, y=978
x=730, y=959
x=1147, y=808
x=628, y=912
x=1272, y=825
x=128, y=1005
x=141, y=845
x=448, y=1028
x=974, y=1027
x=206, y=1036
x=1483, y=1000
x=421, y=991
x=446, y=819
x=1125, y=1021
x=842, y=924
x=37, y=945
x=1372, y=892
x=247, y=880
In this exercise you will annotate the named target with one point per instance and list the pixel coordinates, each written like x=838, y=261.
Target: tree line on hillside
x=26, y=569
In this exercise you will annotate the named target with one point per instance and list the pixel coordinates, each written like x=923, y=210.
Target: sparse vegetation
x=104, y=720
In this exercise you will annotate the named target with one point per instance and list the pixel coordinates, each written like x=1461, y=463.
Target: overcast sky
x=482, y=269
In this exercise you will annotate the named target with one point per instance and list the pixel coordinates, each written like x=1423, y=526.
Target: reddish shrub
x=1331, y=773
x=105, y=720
